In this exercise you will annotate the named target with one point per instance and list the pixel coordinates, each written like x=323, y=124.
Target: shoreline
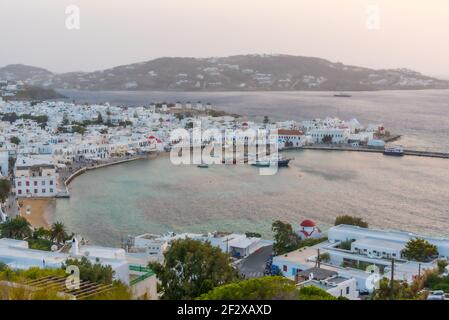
x=99, y=166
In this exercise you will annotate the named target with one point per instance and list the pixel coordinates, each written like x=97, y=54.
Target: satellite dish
x=86, y=254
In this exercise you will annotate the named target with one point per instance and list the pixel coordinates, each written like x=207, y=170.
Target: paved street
x=254, y=265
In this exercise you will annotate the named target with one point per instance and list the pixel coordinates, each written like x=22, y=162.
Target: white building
x=35, y=177
x=4, y=163
x=369, y=251
x=290, y=138
x=331, y=282
x=338, y=135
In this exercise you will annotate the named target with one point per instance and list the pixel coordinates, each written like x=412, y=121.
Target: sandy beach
x=37, y=211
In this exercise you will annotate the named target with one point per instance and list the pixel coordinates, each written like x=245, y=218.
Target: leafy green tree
x=350, y=220
x=266, y=120
x=266, y=288
x=401, y=291
x=5, y=189
x=192, y=268
x=314, y=293
x=253, y=235
x=78, y=129
x=419, y=249
x=94, y=272
x=327, y=139
x=14, y=140
x=285, y=239
x=58, y=232
x=442, y=264
x=99, y=118
x=17, y=228
x=65, y=120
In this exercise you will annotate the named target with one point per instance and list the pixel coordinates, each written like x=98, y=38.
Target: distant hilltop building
x=308, y=229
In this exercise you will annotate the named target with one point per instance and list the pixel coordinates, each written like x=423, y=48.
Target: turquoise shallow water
x=406, y=193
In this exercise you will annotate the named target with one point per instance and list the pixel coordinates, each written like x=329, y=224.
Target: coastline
x=99, y=166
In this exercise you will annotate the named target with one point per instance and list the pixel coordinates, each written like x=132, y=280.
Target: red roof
x=308, y=224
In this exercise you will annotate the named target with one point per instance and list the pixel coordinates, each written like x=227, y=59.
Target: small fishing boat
x=203, y=166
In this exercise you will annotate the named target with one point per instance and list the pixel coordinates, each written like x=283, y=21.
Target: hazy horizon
x=408, y=34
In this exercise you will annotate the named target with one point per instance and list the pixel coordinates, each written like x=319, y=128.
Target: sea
x=155, y=196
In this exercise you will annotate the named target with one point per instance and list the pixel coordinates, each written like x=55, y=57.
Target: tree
x=99, y=118
x=266, y=288
x=401, y=290
x=314, y=293
x=65, y=120
x=285, y=239
x=327, y=139
x=192, y=268
x=5, y=189
x=353, y=221
x=18, y=228
x=419, y=249
x=442, y=264
x=78, y=129
x=15, y=140
x=253, y=235
x=266, y=120
x=58, y=232
x=94, y=272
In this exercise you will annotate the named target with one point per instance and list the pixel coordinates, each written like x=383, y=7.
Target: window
x=35, y=183
x=19, y=191
x=43, y=190
x=19, y=184
x=35, y=190
x=347, y=290
x=27, y=183
x=285, y=268
x=43, y=182
x=51, y=182
x=51, y=190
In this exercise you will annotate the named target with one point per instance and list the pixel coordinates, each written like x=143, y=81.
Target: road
x=254, y=265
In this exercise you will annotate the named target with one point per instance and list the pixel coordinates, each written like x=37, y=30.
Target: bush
x=350, y=220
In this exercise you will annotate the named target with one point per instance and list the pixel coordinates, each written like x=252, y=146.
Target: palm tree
x=18, y=228
x=58, y=232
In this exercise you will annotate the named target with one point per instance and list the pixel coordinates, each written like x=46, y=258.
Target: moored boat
x=394, y=151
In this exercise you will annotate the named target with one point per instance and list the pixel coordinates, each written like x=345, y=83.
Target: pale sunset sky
x=409, y=33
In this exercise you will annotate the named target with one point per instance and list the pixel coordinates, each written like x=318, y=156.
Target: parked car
x=436, y=295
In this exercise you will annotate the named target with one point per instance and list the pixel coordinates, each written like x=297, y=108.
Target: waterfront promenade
x=69, y=175
x=416, y=153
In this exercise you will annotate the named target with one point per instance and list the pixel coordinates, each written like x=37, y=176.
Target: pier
x=415, y=153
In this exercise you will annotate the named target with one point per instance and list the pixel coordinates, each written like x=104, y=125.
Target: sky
x=377, y=33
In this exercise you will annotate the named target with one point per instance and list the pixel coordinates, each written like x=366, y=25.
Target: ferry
x=342, y=95
x=280, y=160
x=394, y=151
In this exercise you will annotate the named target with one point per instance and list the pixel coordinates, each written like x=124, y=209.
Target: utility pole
x=419, y=271
x=392, y=280
x=318, y=260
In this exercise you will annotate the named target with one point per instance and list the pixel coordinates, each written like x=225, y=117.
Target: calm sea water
x=155, y=196
x=406, y=193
